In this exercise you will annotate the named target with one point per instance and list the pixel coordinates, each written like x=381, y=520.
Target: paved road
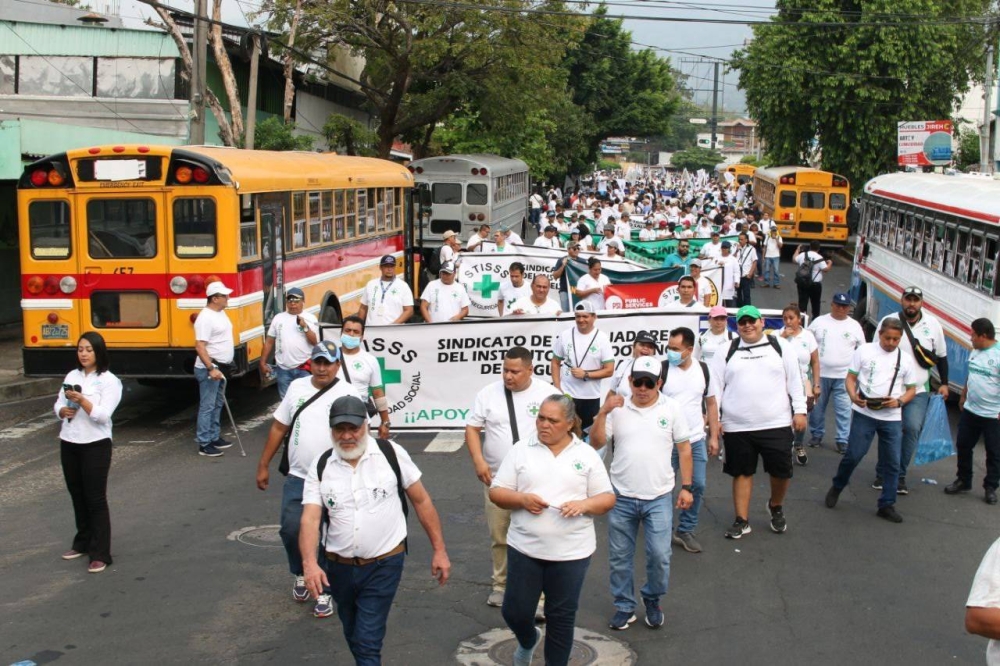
x=839, y=587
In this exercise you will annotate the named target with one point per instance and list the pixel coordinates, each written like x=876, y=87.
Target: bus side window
x=962, y=250
x=314, y=218
x=248, y=231
x=989, y=282
x=350, y=197
x=298, y=230
x=371, y=211
x=975, y=260
x=787, y=199
x=326, y=221
x=49, y=230
x=939, y=233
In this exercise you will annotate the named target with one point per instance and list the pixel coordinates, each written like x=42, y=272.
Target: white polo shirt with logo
x=444, y=301
x=291, y=348
x=930, y=334
x=386, y=300
x=588, y=351
x=875, y=368
x=491, y=414
x=311, y=433
x=836, y=340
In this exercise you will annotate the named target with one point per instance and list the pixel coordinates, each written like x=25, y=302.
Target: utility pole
x=199, y=74
x=714, y=120
x=985, y=165
x=252, y=91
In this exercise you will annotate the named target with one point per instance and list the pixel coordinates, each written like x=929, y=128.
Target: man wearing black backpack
x=809, y=276
x=359, y=489
x=759, y=388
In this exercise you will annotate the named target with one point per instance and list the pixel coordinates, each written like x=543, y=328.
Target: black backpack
x=665, y=368
x=804, y=273
x=771, y=340
x=434, y=262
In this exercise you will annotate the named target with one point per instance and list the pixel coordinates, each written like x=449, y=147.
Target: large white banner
x=432, y=372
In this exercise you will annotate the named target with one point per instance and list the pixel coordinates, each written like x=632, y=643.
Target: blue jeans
x=535, y=217
x=914, y=413
x=364, y=596
x=863, y=431
x=771, y=274
x=211, y=398
x=564, y=301
x=291, y=518
x=285, y=377
x=831, y=389
x=527, y=579
x=656, y=516
x=688, y=518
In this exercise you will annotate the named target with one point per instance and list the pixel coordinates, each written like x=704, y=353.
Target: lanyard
x=384, y=287
x=576, y=357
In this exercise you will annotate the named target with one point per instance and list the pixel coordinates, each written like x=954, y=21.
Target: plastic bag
x=935, y=440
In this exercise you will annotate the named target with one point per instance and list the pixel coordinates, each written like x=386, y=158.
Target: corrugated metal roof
x=53, y=13
x=59, y=40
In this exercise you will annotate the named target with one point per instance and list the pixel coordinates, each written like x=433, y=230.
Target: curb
x=26, y=388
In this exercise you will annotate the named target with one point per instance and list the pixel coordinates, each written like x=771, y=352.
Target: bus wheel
x=329, y=314
x=860, y=309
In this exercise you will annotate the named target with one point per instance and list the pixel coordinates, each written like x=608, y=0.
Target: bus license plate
x=55, y=331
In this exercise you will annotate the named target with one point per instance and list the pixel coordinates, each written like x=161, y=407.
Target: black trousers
x=810, y=296
x=743, y=292
x=586, y=409
x=970, y=428
x=85, y=467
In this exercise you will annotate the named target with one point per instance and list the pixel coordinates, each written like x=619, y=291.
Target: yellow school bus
x=123, y=239
x=743, y=172
x=807, y=204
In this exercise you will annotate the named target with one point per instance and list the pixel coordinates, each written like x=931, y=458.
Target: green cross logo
x=662, y=422
x=486, y=286
x=577, y=465
x=593, y=349
x=533, y=408
x=358, y=365
x=389, y=376
x=330, y=502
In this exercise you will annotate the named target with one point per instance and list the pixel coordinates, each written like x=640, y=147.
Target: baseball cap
x=550, y=213
x=551, y=228
x=575, y=230
x=717, y=311
x=584, y=306
x=447, y=267
x=649, y=222
x=216, y=288
x=295, y=292
x=643, y=337
x=726, y=245
x=387, y=260
x=348, y=409
x=609, y=227
x=695, y=262
x=448, y=234
x=573, y=246
x=748, y=311
x=841, y=299
x=913, y=291
x=326, y=349
x=646, y=368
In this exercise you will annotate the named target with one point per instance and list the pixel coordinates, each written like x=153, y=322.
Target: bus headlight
x=67, y=285
x=178, y=285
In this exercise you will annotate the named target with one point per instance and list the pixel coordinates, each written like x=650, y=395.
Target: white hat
x=448, y=234
x=216, y=288
x=646, y=366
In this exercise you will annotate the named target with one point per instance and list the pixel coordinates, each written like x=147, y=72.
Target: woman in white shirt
x=803, y=342
x=552, y=483
x=88, y=398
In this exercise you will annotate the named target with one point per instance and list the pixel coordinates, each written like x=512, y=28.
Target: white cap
x=216, y=288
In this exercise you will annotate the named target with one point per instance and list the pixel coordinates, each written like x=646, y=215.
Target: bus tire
x=330, y=312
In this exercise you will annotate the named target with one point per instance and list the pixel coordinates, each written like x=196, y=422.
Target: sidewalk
x=13, y=384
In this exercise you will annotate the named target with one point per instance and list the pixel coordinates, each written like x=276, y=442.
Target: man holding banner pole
x=559, y=273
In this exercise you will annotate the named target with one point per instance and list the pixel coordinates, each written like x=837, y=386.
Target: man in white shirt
x=513, y=238
x=387, y=299
x=688, y=381
x=746, y=257
x=838, y=336
x=513, y=290
x=608, y=237
x=811, y=291
x=213, y=335
x=623, y=227
x=880, y=380
x=476, y=239
x=928, y=333
x=590, y=287
x=365, y=543
x=362, y=371
x=643, y=433
x=539, y=303
x=751, y=380
x=772, y=258
x=548, y=238
x=450, y=248
x=686, y=302
x=291, y=335
x=309, y=438
x=647, y=233
x=982, y=609
x=581, y=357
x=445, y=299
x=535, y=213
x=713, y=248
x=491, y=416
x=730, y=274
x=704, y=229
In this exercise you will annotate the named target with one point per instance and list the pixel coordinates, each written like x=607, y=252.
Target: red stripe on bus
x=965, y=328
x=955, y=210
x=300, y=268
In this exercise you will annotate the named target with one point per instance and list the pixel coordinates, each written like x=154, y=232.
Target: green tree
x=833, y=71
x=696, y=158
x=275, y=134
x=752, y=160
x=968, y=149
x=347, y=134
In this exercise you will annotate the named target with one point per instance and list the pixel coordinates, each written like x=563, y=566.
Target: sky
x=694, y=39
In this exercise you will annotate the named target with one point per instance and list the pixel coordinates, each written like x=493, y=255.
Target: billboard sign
x=924, y=143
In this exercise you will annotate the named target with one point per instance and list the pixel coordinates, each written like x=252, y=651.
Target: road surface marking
x=446, y=442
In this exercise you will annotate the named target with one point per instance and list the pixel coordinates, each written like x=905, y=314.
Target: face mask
x=674, y=357
x=350, y=341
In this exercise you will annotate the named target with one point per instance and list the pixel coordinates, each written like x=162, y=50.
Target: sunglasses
x=643, y=382
x=914, y=292
x=293, y=299
x=747, y=321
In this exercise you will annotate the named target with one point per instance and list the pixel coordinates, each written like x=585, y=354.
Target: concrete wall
x=311, y=113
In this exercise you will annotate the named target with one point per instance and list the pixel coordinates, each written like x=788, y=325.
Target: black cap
x=915, y=292
x=387, y=260
x=643, y=337
x=348, y=409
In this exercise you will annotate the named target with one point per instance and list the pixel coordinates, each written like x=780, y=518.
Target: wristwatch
x=586, y=375
x=386, y=424
x=688, y=487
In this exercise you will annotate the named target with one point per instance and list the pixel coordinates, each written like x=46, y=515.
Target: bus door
x=53, y=266
x=271, y=214
x=447, y=211
x=812, y=212
x=123, y=266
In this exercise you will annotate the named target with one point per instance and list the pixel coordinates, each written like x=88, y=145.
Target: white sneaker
x=299, y=590
x=324, y=606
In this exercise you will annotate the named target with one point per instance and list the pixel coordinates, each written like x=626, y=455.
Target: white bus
x=940, y=233
x=468, y=191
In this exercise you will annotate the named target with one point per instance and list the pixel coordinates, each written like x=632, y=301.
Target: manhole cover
x=497, y=646
x=263, y=536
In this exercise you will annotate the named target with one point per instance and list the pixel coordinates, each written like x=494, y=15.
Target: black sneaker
x=877, y=483
x=832, y=495
x=778, y=522
x=222, y=443
x=890, y=514
x=815, y=443
x=800, y=456
x=738, y=529
x=956, y=487
x=991, y=496
x=841, y=448
x=901, y=488
x=209, y=450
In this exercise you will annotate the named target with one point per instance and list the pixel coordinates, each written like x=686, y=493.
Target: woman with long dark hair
x=89, y=396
